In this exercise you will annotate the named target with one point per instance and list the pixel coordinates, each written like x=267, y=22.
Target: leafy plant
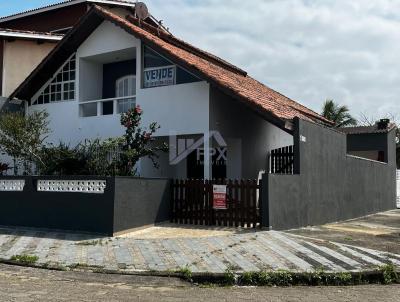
x=25, y=259
x=22, y=136
x=338, y=114
x=389, y=273
x=229, y=276
x=137, y=142
x=185, y=272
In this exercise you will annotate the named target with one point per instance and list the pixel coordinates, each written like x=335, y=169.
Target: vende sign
x=159, y=76
x=219, y=197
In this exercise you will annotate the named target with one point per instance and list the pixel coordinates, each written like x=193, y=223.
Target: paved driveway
x=213, y=251
x=380, y=231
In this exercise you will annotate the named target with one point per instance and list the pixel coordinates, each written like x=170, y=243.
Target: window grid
x=62, y=87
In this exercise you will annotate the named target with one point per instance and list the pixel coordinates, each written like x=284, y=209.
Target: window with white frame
x=61, y=87
x=125, y=91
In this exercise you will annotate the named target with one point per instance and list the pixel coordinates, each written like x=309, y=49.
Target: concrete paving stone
x=234, y=257
x=307, y=252
x=286, y=253
x=378, y=255
x=335, y=257
x=359, y=255
x=251, y=251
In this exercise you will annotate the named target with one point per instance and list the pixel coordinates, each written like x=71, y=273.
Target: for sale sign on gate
x=219, y=196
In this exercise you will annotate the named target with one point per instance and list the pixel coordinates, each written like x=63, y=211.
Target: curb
x=383, y=275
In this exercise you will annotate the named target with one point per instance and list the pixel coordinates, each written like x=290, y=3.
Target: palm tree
x=338, y=114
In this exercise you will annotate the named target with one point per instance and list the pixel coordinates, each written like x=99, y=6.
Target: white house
x=111, y=61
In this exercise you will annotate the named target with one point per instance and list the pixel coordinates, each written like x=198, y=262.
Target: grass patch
x=389, y=274
x=229, y=276
x=185, y=272
x=25, y=259
x=384, y=275
x=89, y=243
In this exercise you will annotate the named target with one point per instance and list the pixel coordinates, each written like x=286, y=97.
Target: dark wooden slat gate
x=192, y=203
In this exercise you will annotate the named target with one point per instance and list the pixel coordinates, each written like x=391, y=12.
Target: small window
x=125, y=88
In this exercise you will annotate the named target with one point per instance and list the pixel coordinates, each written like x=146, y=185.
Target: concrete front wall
x=140, y=202
x=20, y=59
x=248, y=136
x=59, y=210
x=331, y=186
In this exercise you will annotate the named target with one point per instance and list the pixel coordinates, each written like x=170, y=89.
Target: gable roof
x=31, y=35
x=230, y=79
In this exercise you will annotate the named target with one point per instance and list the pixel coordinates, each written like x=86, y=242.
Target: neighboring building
x=369, y=141
x=27, y=37
x=20, y=53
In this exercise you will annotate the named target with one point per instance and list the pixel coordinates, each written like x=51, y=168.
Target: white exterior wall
x=180, y=109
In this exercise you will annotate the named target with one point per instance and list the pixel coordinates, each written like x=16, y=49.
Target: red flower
x=138, y=109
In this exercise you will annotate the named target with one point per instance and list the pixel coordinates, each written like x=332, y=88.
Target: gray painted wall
x=249, y=137
x=140, y=202
x=331, y=186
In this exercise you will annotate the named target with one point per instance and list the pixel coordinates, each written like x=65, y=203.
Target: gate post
x=264, y=204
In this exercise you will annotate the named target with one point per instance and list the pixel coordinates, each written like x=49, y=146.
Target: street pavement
x=28, y=284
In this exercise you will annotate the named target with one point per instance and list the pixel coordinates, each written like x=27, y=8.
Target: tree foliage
x=22, y=137
x=338, y=114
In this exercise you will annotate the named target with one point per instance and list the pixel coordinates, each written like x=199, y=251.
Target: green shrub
x=26, y=259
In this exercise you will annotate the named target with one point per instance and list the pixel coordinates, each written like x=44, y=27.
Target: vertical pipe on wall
x=207, y=154
x=296, y=146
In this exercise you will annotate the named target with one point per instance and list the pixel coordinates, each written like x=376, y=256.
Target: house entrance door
x=195, y=165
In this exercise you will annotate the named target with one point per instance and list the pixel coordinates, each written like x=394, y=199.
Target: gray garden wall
x=126, y=203
x=331, y=185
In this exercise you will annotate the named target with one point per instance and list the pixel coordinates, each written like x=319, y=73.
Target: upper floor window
x=61, y=86
x=159, y=71
x=125, y=91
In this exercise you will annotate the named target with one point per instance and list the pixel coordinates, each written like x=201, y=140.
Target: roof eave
x=61, y=5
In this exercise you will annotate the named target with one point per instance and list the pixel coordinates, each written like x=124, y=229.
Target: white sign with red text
x=219, y=197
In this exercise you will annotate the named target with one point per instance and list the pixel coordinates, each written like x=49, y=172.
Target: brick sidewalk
x=242, y=252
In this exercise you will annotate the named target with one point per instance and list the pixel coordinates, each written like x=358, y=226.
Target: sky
x=308, y=50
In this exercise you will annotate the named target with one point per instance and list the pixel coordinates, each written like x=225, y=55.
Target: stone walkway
x=240, y=252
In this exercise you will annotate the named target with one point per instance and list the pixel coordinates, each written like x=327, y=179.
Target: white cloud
x=309, y=50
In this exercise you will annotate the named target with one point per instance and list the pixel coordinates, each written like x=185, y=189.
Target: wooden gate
x=192, y=203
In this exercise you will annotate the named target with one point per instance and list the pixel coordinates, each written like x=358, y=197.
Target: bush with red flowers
x=137, y=143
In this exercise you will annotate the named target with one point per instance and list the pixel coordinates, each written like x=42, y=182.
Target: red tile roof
x=237, y=82
x=219, y=73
